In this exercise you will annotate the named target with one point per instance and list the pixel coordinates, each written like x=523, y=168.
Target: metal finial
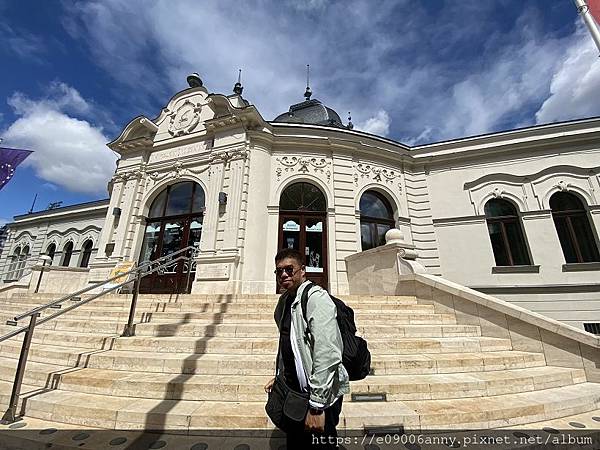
x=350, y=124
x=308, y=92
x=194, y=80
x=237, y=88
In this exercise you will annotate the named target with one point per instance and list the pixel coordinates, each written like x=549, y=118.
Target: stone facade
x=437, y=193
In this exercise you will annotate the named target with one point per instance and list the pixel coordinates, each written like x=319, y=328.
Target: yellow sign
x=121, y=268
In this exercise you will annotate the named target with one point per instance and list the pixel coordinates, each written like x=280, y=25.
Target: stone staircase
x=199, y=362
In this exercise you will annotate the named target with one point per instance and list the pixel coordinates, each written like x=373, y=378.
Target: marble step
x=387, y=346
x=236, y=364
x=250, y=387
x=116, y=326
x=247, y=330
x=187, y=416
x=85, y=312
x=268, y=345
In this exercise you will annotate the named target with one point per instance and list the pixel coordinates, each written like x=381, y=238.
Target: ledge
x=580, y=267
x=507, y=308
x=516, y=269
x=39, y=267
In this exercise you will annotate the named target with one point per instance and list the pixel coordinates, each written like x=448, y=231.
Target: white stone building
x=515, y=214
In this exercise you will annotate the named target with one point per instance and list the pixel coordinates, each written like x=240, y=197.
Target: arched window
x=51, y=251
x=376, y=218
x=506, y=233
x=178, y=199
x=23, y=261
x=573, y=228
x=302, y=197
x=86, y=253
x=67, y=253
x=14, y=265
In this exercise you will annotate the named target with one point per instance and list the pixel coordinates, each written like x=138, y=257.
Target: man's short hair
x=290, y=253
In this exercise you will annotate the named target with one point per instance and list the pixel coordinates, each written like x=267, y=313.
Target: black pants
x=306, y=440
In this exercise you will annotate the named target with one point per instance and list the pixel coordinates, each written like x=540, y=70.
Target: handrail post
x=39, y=281
x=129, y=328
x=11, y=413
x=189, y=271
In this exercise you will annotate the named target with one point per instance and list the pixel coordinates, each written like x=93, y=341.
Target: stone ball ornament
x=394, y=236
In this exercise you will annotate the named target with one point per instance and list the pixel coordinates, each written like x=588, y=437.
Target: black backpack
x=355, y=356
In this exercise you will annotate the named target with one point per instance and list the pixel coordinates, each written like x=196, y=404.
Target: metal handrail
x=136, y=270
x=141, y=271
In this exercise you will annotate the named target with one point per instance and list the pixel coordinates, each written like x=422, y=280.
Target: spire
x=308, y=92
x=237, y=88
x=350, y=124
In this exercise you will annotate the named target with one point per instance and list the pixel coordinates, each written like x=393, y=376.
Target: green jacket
x=321, y=348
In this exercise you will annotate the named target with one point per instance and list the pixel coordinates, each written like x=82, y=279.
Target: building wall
x=39, y=230
x=459, y=191
x=437, y=193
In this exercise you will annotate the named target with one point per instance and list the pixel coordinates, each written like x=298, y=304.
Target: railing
x=133, y=276
x=17, y=268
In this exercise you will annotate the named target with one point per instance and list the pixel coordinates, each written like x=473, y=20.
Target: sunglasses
x=289, y=270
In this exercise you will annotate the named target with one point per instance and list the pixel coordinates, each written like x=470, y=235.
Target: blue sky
x=74, y=73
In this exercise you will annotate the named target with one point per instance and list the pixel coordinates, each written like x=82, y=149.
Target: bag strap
x=279, y=368
x=304, y=302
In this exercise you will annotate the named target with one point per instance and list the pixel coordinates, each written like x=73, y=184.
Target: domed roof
x=311, y=112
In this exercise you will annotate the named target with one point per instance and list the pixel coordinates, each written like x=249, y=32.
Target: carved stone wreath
x=184, y=118
x=303, y=164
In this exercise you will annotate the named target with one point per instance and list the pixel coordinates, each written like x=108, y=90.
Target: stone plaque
x=216, y=271
x=179, y=152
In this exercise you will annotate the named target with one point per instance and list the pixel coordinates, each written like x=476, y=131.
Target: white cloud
x=68, y=151
x=25, y=45
x=426, y=75
x=575, y=87
x=378, y=124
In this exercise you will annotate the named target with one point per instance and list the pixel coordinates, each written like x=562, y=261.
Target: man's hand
x=269, y=385
x=315, y=422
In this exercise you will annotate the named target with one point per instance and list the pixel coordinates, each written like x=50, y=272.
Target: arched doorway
x=302, y=225
x=174, y=222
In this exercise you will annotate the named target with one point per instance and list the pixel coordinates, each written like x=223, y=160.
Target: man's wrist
x=315, y=411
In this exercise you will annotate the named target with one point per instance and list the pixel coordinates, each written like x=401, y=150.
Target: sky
x=74, y=73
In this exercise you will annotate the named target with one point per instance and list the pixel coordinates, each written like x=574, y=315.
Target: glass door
x=306, y=232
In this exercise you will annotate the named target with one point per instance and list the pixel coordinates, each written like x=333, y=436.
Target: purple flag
x=10, y=158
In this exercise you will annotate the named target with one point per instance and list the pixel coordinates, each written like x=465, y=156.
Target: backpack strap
x=304, y=302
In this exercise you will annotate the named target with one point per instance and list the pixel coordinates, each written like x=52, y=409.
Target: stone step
x=186, y=416
x=268, y=345
x=103, y=303
x=248, y=330
x=227, y=298
x=235, y=364
x=85, y=312
x=201, y=328
x=386, y=346
x=250, y=387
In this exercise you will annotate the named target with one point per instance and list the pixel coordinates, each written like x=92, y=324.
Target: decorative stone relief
x=563, y=187
x=303, y=164
x=371, y=172
x=184, y=118
x=497, y=193
x=229, y=155
x=178, y=171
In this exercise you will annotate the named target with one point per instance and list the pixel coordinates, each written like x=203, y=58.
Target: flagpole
x=584, y=12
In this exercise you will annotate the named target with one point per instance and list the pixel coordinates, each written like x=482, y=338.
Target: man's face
x=290, y=274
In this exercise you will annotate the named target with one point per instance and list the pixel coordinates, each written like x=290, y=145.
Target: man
x=312, y=360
